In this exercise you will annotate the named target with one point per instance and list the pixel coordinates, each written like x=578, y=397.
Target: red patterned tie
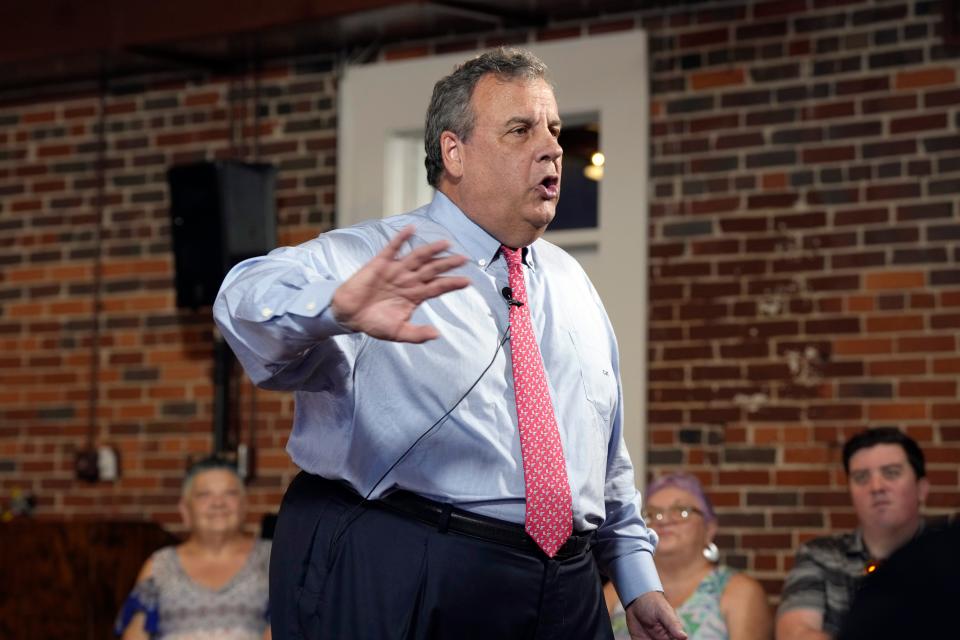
x=549, y=519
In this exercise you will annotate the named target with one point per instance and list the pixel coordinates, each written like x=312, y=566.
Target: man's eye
x=891, y=473
x=860, y=477
x=519, y=131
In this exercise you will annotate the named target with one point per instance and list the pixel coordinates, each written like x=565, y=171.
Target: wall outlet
x=95, y=465
x=85, y=465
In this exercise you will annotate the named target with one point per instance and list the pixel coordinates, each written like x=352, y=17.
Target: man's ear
x=923, y=487
x=451, y=149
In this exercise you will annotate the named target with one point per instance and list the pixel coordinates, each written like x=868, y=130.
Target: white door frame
x=605, y=75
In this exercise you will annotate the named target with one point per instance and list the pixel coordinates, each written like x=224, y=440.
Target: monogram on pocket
x=596, y=373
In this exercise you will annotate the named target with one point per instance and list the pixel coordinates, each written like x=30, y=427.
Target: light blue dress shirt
x=361, y=402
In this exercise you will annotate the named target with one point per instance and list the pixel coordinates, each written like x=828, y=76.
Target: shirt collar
x=859, y=547
x=478, y=245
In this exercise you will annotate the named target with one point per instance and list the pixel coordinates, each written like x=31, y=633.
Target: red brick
x=714, y=122
x=890, y=103
x=53, y=150
x=893, y=191
x=829, y=154
x=202, y=99
x=898, y=323
x=946, y=365
x=895, y=280
x=761, y=478
x=926, y=344
x=946, y=412
x=625, y=24
x=950, y=298
x=766, y=541
x=38, y=117
x=702, y=38
x=799, y=47
x=714, y=79
x=802, y=478
x=778, y=8
x=863, y=346
x=897, y=411
x=829, y=110
x=898, y=367
x=919, y=123
x=119, y=108
x=925, y=77
x=927, y=388
x=715, y=205
x=861, y=303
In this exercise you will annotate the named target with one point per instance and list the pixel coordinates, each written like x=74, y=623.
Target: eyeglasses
x=675, y=512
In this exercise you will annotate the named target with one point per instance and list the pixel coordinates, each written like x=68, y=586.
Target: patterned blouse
x=700, y=613
x=177, y=608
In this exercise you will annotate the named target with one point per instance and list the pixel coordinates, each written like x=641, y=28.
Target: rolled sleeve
x=805, y=585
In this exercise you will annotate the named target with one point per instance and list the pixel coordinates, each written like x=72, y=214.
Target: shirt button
x=267, y=312
x=311, y=306
x=482, y=262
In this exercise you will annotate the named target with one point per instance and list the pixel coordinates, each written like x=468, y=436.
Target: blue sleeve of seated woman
x=145, y=599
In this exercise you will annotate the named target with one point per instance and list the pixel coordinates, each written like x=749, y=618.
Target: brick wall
x=804, y=278
x=803, y=285
x=154, y=394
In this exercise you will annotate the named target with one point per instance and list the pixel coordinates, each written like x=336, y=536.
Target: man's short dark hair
x=886, y=435
x=449, y=108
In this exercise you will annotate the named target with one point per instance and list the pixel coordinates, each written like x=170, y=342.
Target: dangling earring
x=711, y=553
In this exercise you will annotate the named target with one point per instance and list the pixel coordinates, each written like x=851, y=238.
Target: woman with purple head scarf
x=713, y=601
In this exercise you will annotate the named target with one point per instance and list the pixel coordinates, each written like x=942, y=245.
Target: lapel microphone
x=507, y=294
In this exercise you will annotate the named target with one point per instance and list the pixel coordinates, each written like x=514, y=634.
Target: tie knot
x=513, y=256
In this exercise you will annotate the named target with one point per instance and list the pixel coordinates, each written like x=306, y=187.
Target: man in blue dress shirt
x=407, y=520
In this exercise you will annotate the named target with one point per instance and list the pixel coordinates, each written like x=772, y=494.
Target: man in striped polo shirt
x=886, y=476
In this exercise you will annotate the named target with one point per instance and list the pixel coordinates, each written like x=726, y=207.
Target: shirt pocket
x=597, y=374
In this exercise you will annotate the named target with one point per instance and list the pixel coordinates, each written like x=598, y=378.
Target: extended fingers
x=424, y=254
x=392, y=248
x=424, y=261
x=416, y=333
x=437, y=266
x=439, y=286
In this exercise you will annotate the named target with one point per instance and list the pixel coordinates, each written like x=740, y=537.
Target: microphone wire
x=345, y=520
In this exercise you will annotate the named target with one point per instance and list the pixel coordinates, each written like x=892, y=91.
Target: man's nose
x=552, y=150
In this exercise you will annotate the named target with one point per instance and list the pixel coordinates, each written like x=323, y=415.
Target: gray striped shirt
x=825, y=578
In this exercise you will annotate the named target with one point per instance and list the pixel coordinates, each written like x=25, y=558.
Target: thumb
x=674, y=626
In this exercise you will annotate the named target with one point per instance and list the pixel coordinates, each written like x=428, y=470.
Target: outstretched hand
x=381, y=297
x=650, y=617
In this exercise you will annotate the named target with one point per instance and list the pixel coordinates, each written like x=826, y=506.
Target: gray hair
x=449, y=108
x=209, y=463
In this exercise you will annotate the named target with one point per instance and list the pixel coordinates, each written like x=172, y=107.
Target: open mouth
x=549, y=187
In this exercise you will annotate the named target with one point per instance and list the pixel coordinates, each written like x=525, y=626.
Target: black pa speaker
x=220, y=213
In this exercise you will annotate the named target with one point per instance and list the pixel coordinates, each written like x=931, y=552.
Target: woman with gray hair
x=213, y=586
x=713, y=601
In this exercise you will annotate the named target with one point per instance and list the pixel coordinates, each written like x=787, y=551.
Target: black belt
x=448, y=518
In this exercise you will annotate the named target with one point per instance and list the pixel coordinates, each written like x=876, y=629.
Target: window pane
x=579, y=194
